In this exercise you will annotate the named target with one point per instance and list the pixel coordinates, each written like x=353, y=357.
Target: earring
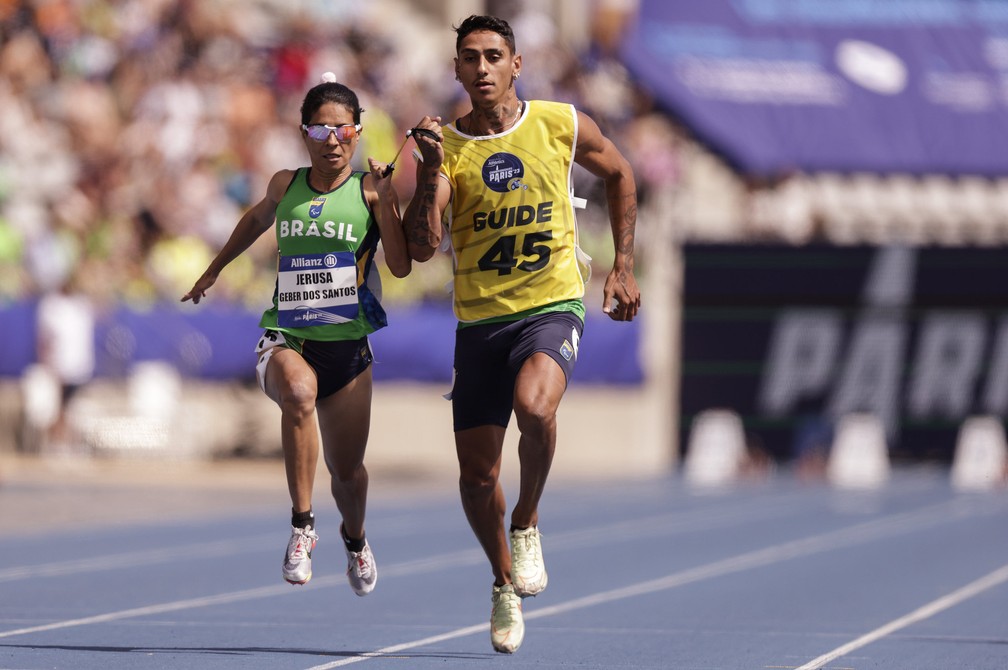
x=515, y=75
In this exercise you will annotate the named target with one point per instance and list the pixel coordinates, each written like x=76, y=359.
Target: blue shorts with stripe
x=489, y=356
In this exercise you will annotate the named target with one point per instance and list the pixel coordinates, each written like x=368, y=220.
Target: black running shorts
x=489, y=356
x=335, y=363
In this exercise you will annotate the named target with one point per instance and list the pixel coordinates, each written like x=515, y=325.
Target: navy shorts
x=489, y=356
x=335, y=363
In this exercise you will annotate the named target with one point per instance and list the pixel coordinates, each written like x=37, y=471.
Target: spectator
x=66, y=325
x=137, y=95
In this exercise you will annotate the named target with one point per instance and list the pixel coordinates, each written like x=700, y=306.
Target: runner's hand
x=199, y=289
x=621, y=296
x=429, y=142
x=380, y=173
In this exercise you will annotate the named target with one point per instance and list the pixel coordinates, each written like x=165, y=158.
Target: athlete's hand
x=621, y=296
x=382, y=177
x=429, y=143
x=199, y=289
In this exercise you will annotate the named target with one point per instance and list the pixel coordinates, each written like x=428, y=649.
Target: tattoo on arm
x=418, y=230
x=624, y=211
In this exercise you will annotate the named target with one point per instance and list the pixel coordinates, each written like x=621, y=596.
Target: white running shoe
x=528, y=571
x=297, y=560
x=507, y=627
x=362, y=571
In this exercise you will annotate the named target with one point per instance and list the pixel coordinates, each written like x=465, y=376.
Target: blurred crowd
x=133, y=133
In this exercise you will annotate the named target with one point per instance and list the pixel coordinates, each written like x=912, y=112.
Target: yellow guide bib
x=511, y=219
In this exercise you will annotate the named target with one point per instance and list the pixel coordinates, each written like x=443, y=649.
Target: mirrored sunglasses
x=320, y=132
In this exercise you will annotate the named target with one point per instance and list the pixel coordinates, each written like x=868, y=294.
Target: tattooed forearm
x=417, y=227
x=623, y=214
x=417, y=234
x=417, y=224
x=625, y=243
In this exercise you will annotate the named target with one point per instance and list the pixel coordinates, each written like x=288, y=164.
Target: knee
x=348, y=475
x=534, y=417
x=297, y=397
x=475, y=483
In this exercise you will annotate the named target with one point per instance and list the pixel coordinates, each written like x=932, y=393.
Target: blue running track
x=644, y=574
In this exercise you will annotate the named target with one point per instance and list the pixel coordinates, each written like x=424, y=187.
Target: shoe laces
x=361, y=562
x=526, y=545
x=505, y=602
x=302, y=536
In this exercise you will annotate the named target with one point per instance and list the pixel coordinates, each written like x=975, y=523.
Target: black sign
x=792, y=338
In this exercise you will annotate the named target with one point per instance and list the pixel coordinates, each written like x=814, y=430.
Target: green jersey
x=328, y=287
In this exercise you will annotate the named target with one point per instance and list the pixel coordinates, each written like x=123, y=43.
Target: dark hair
x=326, y=92
x=492, y=23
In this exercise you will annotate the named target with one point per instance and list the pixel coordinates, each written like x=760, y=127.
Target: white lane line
x=192, y=603
x=898, y=523
x=134, y=558
x=454, y=559
x=666, y=523
x=851, y=535
x=972, y=589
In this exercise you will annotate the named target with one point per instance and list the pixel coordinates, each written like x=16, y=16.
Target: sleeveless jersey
x=327, y=285
x=511, y=219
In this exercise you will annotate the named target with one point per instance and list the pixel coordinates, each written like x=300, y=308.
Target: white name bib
x=316, y=289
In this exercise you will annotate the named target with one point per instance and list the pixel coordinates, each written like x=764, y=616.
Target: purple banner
x=912, y=86
x=217, y=341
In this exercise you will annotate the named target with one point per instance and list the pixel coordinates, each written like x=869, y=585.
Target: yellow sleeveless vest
x=511, y=219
